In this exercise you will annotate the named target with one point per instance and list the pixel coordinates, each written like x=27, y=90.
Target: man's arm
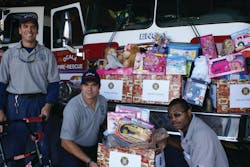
x=51, y=98
x=74, y=149
x=169, y=141
x=3, y=101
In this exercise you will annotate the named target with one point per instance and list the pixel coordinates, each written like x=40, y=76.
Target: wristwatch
x=88, y=163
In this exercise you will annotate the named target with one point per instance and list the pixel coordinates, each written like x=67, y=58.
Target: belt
x=29, y=96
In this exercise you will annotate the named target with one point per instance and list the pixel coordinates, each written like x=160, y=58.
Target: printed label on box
x=124, y=159
x=240, y=96
x=111, y=89
x=155, y=90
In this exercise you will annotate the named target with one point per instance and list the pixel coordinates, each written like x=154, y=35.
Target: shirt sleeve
x=204, y=150
x=70, y=123
x=53, y=74
x=52, y=92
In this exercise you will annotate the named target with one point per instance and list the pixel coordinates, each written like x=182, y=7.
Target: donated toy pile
x=208, y=74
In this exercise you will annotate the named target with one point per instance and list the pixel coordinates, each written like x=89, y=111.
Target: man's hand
x=93, y=164
x=46, y=110
x=2, y=118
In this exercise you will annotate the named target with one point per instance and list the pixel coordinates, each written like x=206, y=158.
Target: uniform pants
x=18, y=139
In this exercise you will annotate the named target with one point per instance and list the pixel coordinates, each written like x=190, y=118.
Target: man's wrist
x=89, y=162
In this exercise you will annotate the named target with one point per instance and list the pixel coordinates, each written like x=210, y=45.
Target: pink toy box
x=226, y=65
x=208, y=46
x=152, y=63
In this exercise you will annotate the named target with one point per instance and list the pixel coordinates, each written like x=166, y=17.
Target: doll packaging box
x=117, y=84
x=226, y=65
x=208, y=46
x=150, y=63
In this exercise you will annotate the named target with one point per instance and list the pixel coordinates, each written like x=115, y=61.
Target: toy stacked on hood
x=128, y=56
x=160, y=45
x=111, y=60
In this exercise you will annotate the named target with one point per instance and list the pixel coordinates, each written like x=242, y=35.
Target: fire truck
x=81, y=31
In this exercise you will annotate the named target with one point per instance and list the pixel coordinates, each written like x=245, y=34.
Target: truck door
x=9, y=24
x=67, y=38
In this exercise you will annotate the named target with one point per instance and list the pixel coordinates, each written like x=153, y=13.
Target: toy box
x=141, y=113
x=117, y=85
x=194, y=91
x=129, y=157
x=241, y=39
x=176, y=65
x=208, y=46
x=190, y=51
x=150, y=63
x=226, y=65
x=233, y=96
x=156, y=89
x=114, y=117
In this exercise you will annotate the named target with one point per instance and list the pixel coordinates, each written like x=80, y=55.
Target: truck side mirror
x=67, y=36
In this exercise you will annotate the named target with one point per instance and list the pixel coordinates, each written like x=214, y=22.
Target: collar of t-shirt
x=27, y=48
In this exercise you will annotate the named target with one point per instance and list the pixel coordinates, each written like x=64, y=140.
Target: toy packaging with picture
x=195, y=91
x=226, y=65
x=191, y=51
x=208, y=46
x=241, y=39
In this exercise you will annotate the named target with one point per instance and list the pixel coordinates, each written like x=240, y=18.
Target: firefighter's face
x=28, y=31
x=90, y=90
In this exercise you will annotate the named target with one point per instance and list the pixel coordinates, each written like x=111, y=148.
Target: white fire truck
x=81, y=31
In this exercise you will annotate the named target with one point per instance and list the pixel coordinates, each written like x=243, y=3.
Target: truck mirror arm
x=75, y=51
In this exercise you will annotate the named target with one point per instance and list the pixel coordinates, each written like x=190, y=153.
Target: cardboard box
x=233, y=96
x=129, y=157
x=156, y=89
x=117, y=85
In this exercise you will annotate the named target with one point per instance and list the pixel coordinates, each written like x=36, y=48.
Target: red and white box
x=117, y=85
x=233, y=96
x=129, y=157
x=156, y=89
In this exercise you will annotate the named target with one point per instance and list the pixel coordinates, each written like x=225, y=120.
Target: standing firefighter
x=29, y=85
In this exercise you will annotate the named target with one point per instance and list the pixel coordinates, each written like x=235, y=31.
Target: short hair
x=182, y=102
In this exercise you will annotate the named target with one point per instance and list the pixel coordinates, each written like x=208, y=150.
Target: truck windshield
x=113, y=15
x=108, y=15
x=183, y=12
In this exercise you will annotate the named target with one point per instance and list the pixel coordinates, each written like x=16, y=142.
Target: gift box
x=233, y=96
x=117, y=84
x=156, y=89
x=129, y=157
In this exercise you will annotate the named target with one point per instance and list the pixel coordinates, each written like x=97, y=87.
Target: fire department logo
x=155, y=86
x=245, y=91
x=111, y=85
x=124, y=161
